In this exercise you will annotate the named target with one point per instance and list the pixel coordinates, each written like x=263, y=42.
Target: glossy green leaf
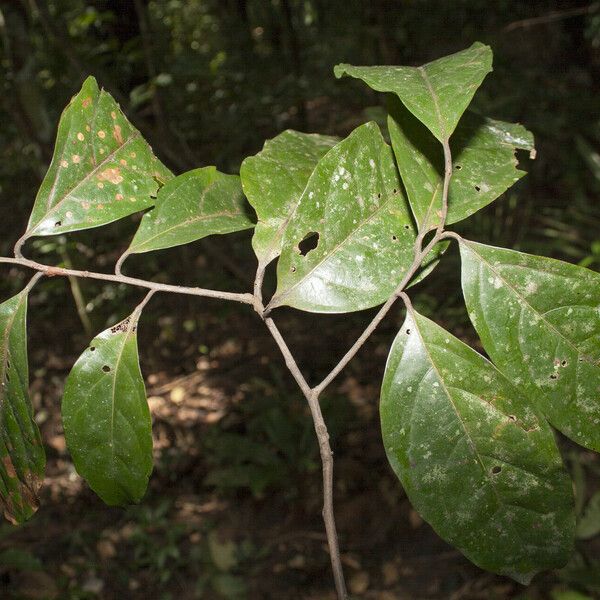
x=102, y=169
x=194, y=205
x=484, y=164
x=22, y=458
x=354, y=208
x=474, y=458
x=437, y=93
x=106, y=417
x=539, y=321
x=274, y=180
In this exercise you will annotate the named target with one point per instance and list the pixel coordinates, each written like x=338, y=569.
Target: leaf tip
x=340, y=70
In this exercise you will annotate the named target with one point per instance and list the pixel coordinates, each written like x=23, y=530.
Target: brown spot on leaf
x=86, y=102
x=113, y=175
x=10, y=468
x=118, y=135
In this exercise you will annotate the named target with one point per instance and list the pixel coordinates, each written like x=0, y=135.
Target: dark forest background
x=234, y=505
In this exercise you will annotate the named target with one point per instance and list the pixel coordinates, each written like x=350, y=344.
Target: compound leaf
x=102, y=169
x=106, y=417
x=437, y=93
x=484, y=164
x=191, y=206
x=22, y=458
x=354, y=209
x=539, y=321
x=274, y=179
x=478, y=463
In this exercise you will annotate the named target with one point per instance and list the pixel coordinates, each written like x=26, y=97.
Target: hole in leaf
x=379, y=195
x=106, y=369
x=394, y=238
x=554, y=376
x=564, y=363
x=58, y=224
x=496, y=470
x=477, y=188
x=408, y=332
x=7, y=377
x=395, y=191
x=293, y=269
x=407, y=226
x=310, y=242
x=512, y=418
x=92, y=348
x=458, y=167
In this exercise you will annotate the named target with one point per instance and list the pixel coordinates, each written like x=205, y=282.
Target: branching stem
x=256, y=301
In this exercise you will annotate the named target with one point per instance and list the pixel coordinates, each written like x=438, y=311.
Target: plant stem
x=312, y=397
x=51, y=271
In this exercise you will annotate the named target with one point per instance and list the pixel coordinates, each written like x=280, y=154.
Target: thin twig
x=551, y=17
x=151, y=285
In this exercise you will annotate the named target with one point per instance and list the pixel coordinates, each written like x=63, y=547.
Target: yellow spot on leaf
x=80, y=136
x=123, y=161
x=133, y=155
x=101, y=134
x=100, y=185
x=113, y=114
x=85, y=205
x=75, y=158
x=64, y=164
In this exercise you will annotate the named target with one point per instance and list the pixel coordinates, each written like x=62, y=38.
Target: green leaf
x=22, y=458
x=478, y=463
x=106, y=418
x=437, y=93
x=194, y=205
x=274, y=180
x=102, y=169
x=539, y=321
x=354, y=208
x=484, y=162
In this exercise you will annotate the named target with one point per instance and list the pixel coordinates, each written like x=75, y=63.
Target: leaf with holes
x=484, y=164
x=106, y=416
x=22, y=458
x=102, y=169
x=475, y=460
x=274, y=180
x=539, y=321
x=437, y=93
x=351, y=239
x=194, y=205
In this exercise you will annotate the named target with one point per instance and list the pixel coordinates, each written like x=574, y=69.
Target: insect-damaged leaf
x=539, y=321
x=437, y=93
x=354, y=210
x=106, y=418
x=194, y=205
x=102, y=169
x=475, y=460
x=22, y=458
x=484, y=163
x=274, y=180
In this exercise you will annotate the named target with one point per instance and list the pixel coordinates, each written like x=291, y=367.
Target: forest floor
x=233, y=507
